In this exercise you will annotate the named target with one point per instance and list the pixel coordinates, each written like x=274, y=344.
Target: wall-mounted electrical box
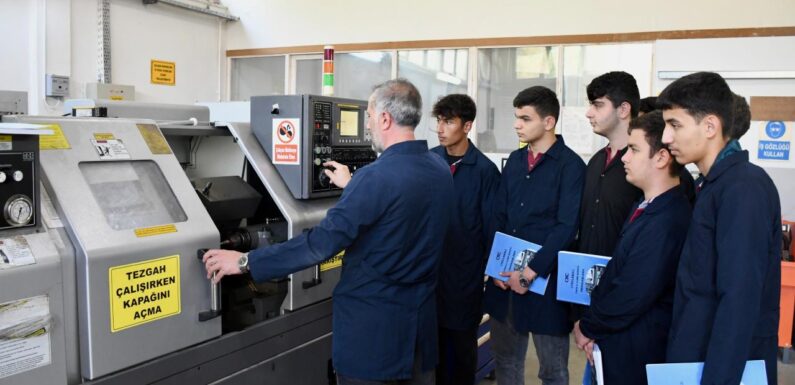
x=110, y=91
x=56, y=85
x=13, y=103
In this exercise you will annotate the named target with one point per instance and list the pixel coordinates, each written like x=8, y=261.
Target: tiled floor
x=786, y=372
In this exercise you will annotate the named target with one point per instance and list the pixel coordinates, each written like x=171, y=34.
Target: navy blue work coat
x=540, y=206
x=726, y=303
x=630, y=312
x=688, y=185
x=391, y=220
x=466, y=248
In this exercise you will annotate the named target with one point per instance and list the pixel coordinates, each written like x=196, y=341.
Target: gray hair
x=400, y=99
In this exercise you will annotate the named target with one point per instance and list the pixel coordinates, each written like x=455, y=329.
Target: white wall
x=278, y=23
x=18, y=28
x=61, y=37
x=140, y=33
x=735, y=54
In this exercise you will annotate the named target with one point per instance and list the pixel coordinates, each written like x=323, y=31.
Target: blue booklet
x=513, y=254
x=690, y=373
x=588, y=377
x=578, y=275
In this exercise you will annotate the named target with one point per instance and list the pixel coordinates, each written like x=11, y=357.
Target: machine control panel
x=343, y=140
x=328, y=129
x=18, y=180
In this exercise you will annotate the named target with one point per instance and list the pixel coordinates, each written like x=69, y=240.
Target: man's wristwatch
x=523, y=282
x=242, y=263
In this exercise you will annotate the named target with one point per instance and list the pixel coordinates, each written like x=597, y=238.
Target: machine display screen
x=349, y=122
x=132, y=194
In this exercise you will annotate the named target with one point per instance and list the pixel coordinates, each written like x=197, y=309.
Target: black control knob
x=323, y=179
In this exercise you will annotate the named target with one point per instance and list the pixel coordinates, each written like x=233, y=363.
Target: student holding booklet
x=538, y=201
x=630, y=310
x=726, y=306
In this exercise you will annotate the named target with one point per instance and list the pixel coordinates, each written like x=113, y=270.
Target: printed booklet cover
x=578, y=275
x=513, y=254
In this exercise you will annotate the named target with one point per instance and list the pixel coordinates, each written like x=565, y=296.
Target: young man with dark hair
x=647, y=104
x=726, y=301
x=742, y=117
x=608, y=197
x=630, y=310
x=538, y=201
x=459, y=291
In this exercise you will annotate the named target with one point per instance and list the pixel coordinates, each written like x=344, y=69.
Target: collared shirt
x=607, y=200
x=726, y=302
x=391, y=221
x=541, y=206
x=471, y=231
x=609, y=156
x=733, y=146
x=638, y=211
x=630, y=310
x=453, y=161
x=533, y=159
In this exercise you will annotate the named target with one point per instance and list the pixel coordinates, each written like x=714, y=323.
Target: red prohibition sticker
x=286, y=140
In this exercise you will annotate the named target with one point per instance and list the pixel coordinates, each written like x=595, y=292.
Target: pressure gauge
x=18, y=175
x=18, y=210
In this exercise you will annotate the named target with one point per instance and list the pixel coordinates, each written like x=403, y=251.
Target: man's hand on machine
x=338, y=173
x=221, y=262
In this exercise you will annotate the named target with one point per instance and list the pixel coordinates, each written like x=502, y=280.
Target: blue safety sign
x=775, y=129
x=774, y=150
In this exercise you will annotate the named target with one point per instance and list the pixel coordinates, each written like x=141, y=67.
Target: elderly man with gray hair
x=391, y=221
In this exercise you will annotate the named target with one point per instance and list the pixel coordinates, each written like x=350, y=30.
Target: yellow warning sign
x=103, y=136
x=6, y=143
x=155, y=230
x=154, y=139
x=143, y=292
x=164, y=72
x=116, y=97
x=333, y=263
x=56, y=141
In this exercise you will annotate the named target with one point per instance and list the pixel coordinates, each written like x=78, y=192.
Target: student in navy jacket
x=391, y=221
x=538, y=200
x=630, y=311
x=460, y=287
x=726, y=302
